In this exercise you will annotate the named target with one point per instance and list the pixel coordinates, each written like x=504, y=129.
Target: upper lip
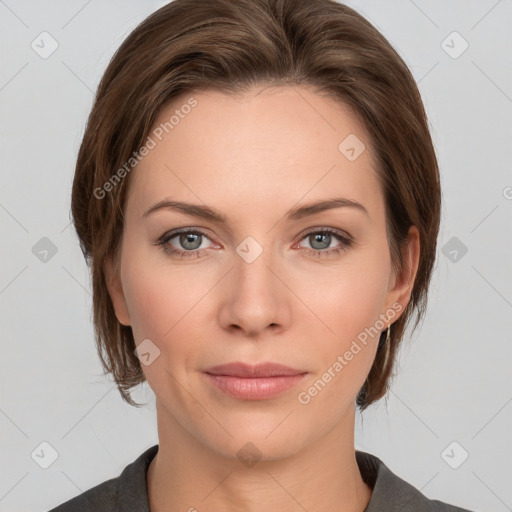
x=239, y=369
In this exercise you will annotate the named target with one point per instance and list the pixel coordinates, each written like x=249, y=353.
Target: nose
x=254, y=297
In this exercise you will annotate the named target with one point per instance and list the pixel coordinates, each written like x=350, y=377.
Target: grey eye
x=323, y=240
x=190, y=241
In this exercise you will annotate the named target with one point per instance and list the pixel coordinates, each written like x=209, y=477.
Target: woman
x=258, y=196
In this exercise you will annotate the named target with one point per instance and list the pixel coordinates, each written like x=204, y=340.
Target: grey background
x=454, y=379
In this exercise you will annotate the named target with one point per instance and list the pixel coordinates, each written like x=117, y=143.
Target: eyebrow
x=299, y=212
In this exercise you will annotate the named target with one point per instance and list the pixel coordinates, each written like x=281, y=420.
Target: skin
x=253, y=157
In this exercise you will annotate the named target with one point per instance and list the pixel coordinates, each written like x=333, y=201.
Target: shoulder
x=128, y=491
x=102, y=497
x=392, y=493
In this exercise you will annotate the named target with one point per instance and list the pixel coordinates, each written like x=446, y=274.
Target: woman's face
x=271, y=283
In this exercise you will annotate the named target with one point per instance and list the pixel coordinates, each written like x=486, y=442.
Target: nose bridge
x=254, y=297
x=252, y=268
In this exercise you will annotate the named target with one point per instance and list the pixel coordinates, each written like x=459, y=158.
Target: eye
x=190, y=242
x=190, y=239
x=321, y=240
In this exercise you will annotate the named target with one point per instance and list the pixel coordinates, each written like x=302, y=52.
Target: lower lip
x=260, y=388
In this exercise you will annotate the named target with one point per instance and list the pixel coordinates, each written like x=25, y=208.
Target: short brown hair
x=229, y=46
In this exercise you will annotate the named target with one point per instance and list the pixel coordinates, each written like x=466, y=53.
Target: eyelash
x=345, y=239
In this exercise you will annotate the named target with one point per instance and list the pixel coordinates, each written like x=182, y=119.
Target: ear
x=401, y=285
x=115, y=290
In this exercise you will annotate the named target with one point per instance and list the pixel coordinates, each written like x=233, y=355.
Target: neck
x=187, y=475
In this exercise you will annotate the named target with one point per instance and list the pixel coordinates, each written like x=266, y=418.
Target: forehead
x=271, y=146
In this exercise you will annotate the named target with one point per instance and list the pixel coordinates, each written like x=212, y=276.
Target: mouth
x=238, y=369
x=253, y=382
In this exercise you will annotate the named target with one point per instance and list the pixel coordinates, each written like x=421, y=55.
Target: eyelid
x=203, y=231
x=325, y=229
x=346, y=240
x=188, y=229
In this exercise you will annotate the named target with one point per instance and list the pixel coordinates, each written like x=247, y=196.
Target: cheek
x=165, y=305
x=347, y=305
x=350, y=299
x=158, y=309
x=156, y=300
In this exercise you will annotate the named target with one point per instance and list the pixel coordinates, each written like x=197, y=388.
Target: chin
x=259, y=437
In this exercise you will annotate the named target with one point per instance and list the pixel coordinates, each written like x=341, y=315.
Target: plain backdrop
x=444, y=426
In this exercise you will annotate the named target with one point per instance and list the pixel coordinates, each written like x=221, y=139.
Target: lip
x=253, y=382
x=238, y=369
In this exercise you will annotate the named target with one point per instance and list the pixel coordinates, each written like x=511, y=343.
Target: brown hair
x=229, y=46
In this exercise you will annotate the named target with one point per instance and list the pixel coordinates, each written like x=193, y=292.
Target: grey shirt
x=128, y=492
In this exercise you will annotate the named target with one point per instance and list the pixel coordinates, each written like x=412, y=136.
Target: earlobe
x=115, y=290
